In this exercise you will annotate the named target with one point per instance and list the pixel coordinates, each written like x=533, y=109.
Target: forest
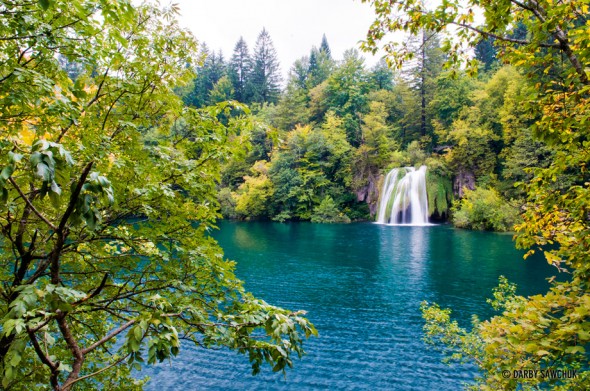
x=321, y=145
x=124, y=140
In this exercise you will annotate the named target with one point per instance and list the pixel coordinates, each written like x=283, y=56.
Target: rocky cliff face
x=367, y=190
x=463, y=179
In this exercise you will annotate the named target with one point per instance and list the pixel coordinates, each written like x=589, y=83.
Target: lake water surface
x=362, y=285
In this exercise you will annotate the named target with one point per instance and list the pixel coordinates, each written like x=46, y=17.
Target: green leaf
x=43, y=172
x=44, y=4
x=8, y=374
x=7, y=171
x=55, y=199
x=575, y=349
x=134, y=345
x=15, y=157
x=40, y=145
x=138, y=333
x=35, y=158
x=15, y=359
x=55, y=188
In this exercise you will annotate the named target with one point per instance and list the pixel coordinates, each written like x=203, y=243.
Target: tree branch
x=26, y=259
x=41, y=325
x=28, y=202
x=110, y=336
x=73, y=346
x=74, y=197
x=119, y=361
x=44, y=358
x=487, y=34
x=40, y=268
x=562, y=38
x=96, y=291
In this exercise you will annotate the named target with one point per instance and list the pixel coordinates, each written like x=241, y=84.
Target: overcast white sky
x=294, y=25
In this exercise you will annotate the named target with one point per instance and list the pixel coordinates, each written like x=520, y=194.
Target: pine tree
x=423, y=71
x=208, y=75
x=265, y=77
x=320, y=66
x=313, y=67
x=239, y=69
x=215, y=68
x=325, y=48
x=292, y=107
x=486, y=53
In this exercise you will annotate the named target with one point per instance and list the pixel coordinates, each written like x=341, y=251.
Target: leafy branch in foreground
x=514, y=341
x=107, y=198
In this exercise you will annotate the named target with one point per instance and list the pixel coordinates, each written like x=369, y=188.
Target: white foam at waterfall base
x=403, y=199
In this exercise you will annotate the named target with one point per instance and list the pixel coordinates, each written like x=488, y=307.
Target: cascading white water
x=404, y=200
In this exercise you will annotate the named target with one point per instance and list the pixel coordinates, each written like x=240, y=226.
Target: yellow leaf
x=27, y=135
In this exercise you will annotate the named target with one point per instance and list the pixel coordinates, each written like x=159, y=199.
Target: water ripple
x=362, y=285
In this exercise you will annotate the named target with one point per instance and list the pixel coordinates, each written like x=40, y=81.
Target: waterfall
x=403, y=198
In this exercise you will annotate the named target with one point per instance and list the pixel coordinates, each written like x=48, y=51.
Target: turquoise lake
x=362, y=285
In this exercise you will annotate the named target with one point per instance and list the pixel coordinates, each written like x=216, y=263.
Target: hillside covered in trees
x=322, y=140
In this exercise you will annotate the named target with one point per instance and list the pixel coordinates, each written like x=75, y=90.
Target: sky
x=294, y=25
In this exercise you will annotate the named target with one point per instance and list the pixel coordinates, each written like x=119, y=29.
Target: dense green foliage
x=339, y=137
x=107, y=196
x=337, y=127
x=327, y=212
x=484, y=209
x=546, y=124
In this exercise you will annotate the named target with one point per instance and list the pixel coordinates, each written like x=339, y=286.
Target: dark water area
x=362, y=285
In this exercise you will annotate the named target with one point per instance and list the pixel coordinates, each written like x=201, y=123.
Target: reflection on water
x=362, y=285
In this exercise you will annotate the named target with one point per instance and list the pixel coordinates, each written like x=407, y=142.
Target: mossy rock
x=440, y=195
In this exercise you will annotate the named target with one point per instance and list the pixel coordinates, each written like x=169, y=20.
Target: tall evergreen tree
x=423, y=71
x=208, y=75
x=486, y=53
x=265, y=77
x=431, y=60
x=216, y=68
x=325, y=48
x=292, y=108
x=320, y=67
x=239, y=69
x=313, y=68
